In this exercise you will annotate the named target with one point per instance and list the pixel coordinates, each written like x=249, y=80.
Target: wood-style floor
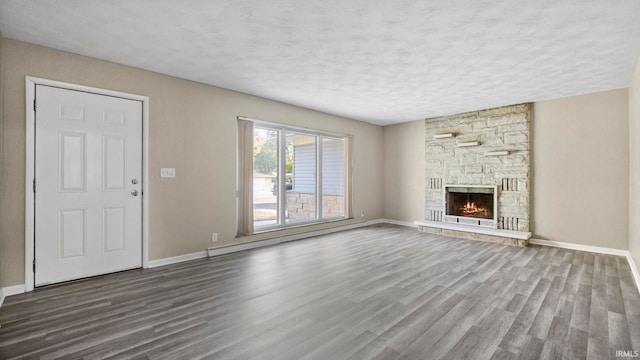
x=381, y=292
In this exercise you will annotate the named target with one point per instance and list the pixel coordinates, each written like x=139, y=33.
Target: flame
x=471, y=208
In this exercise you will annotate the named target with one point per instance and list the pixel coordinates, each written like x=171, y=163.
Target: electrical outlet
x=168, y=172
x=214, y=237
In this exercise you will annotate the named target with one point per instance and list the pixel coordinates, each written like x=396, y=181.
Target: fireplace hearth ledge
x=506, y=237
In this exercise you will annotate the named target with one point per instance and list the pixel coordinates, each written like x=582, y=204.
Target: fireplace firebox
x=471, y=205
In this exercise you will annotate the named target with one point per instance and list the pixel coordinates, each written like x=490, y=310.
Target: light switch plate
x=167, y=172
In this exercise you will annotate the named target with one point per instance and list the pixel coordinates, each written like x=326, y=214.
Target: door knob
x=134, y=181
x=134, y=192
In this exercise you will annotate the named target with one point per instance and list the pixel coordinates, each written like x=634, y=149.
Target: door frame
x=30, y=95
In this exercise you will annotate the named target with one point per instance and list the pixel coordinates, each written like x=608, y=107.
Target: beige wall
x=192, y=128
x=404, y=198
x=580, y=172
x=3, y=248
x=634, y=165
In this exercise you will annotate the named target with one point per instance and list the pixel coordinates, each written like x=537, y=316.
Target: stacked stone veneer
x=302, y=206
x=498, y=129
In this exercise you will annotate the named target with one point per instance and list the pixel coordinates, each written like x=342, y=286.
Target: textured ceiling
x=383, y=61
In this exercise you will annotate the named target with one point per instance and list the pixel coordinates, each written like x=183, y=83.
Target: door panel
x=88, y=152
x=113, y=229
x=72, y=147
x=114, y=171
x=72, y=227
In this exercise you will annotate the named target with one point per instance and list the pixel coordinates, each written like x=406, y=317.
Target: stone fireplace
x=478, y=175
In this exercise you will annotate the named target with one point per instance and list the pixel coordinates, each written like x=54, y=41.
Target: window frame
x=320, y=135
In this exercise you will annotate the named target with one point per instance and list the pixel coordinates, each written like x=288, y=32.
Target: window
x=290, y=176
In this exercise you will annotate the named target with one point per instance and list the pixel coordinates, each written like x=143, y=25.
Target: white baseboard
x=278, y=240
x=11, y=290
x=396, y=222
x=261, y=243
x=14, y=290
x=634, y=270
x=594, y=249
x=572, y=246
x=177, y=259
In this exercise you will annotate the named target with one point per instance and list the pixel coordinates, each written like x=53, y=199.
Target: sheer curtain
x=245, y=177
x=349, y=179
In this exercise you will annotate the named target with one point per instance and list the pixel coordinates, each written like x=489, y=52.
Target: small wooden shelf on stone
x=444, y=136
x=468, y=143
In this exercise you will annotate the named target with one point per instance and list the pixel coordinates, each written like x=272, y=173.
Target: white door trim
x=30, y=83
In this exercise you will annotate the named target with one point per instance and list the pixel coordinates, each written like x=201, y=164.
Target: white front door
x=88, y=184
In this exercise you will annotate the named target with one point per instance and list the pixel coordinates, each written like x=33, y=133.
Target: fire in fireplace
x=472, y=205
